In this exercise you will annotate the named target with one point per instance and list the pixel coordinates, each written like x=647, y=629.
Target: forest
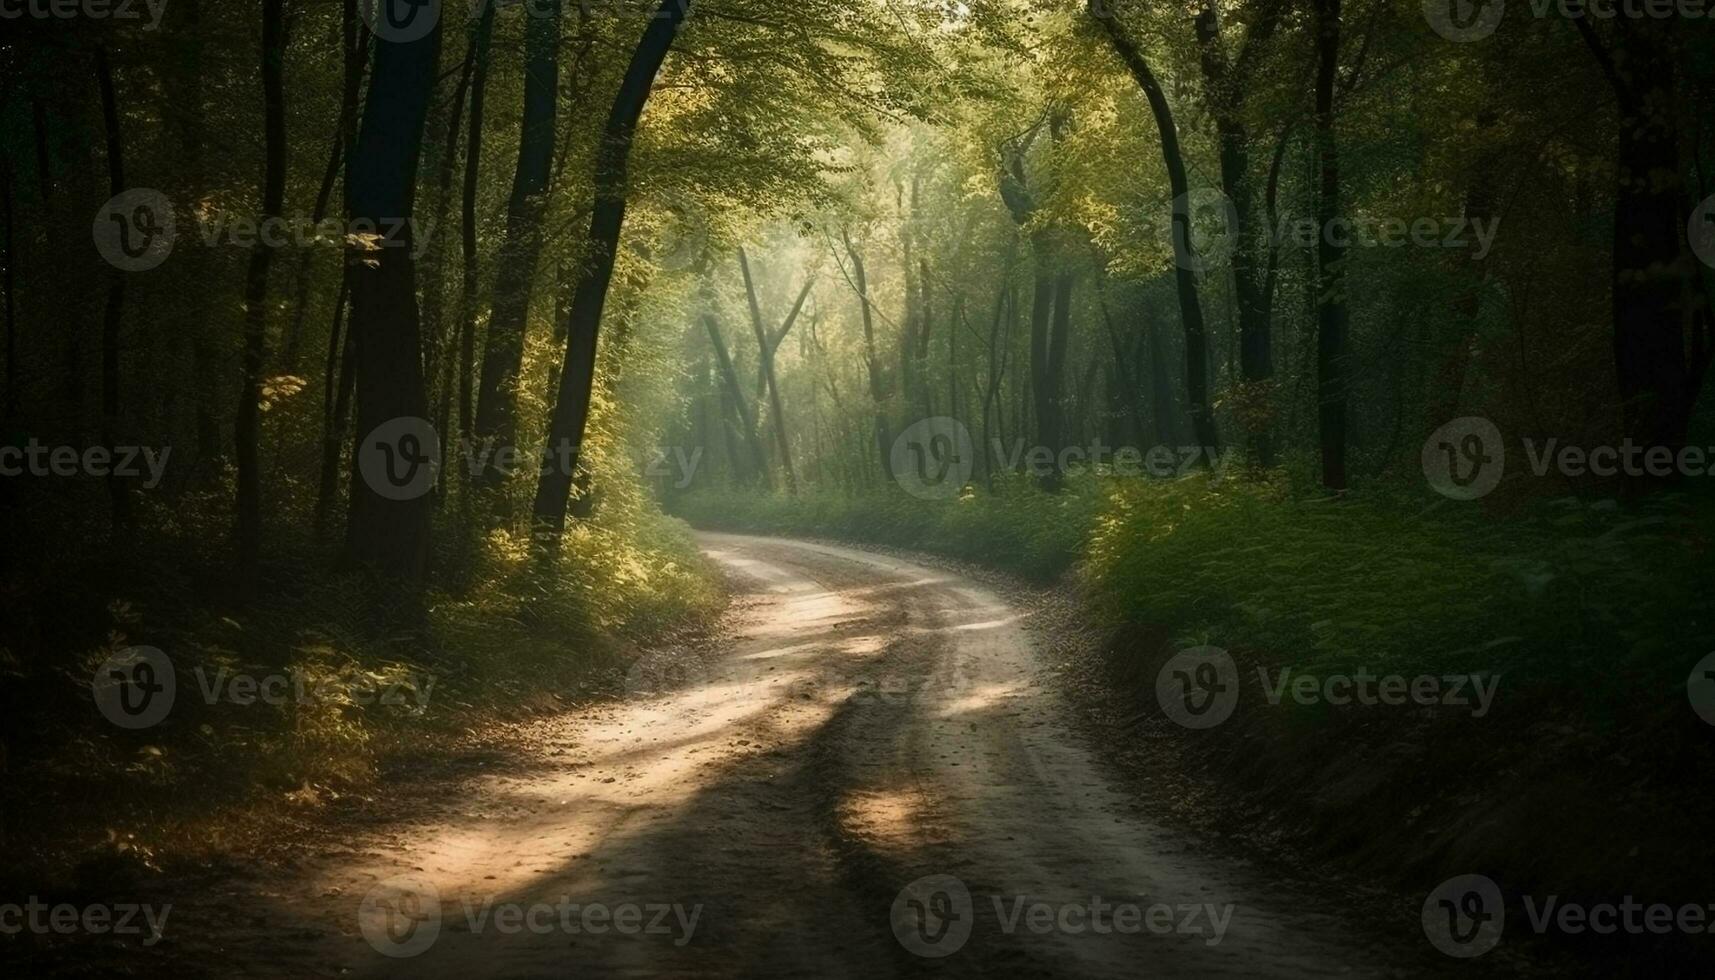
x=857, y=487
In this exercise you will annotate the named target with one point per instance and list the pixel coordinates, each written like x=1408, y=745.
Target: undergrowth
x=494, y=637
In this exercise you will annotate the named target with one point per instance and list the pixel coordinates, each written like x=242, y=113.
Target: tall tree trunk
x=1227, y=86
x=953, y=322
x=354, y=40
x=339, y=377
x=385, y=533
x=572, y=402
x=1130, y=392
x=503, y=353
x=186, y=89
x=435, y=255
x=1454, y=356
x=481, y=43
x=1653, y=276
x=115, y=314
x=766, y=347
x=585, y=495
x=336, y=406
x=1053, y=425
x=1331, y=314
x=1042, y=389
x=758, y=469
x=1162, y=404
x=1045, y=327
x=878, y=386
x=1185, y=280
x=247, y=431
x=998, y=347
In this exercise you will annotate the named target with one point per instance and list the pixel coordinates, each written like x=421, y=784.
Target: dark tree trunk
x=1190, y=305
x=1129, y=392
x=1454, y=356
x=340, y=374
x=577, y=378
x=766, y=346
x=435, y=255
x=878, y=386
x=481, y=42
x=354, y=40
x=1053, y=425
x=1047, y=328
x=585, y=494
x=1042, y=390
x=1331, y=313
x=205, y=354
x=1162, y=404
x=387, y=534
x=920, y=341
x=1226, y=84
x=115, y=314
x=999, y=345
x=336, y=407
x=758, y=469
x=1653, y=275
x=247, y=430
x=503, y=353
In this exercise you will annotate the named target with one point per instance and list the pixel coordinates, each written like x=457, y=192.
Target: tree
x=115, y=316
x=1190, y=306
x=503, y=353
x=247, y=433
x=1331, y=256
x=1653, y=272
x=572, y=401
x=767, y=343
x=1226, y=81
x=387, y=534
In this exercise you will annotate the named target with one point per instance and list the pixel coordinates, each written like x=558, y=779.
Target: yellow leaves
x=279, y=388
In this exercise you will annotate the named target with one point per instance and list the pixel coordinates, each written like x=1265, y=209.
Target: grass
x=1563, y=589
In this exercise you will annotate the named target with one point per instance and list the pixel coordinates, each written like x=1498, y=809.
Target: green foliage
x=1566, y=590
x=1019, y=529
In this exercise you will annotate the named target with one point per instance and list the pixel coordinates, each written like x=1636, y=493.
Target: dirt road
x=873, y=777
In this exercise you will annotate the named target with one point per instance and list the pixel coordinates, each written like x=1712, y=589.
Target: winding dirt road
x=874, y=777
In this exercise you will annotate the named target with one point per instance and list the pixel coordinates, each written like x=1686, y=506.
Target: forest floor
x=872, y=766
